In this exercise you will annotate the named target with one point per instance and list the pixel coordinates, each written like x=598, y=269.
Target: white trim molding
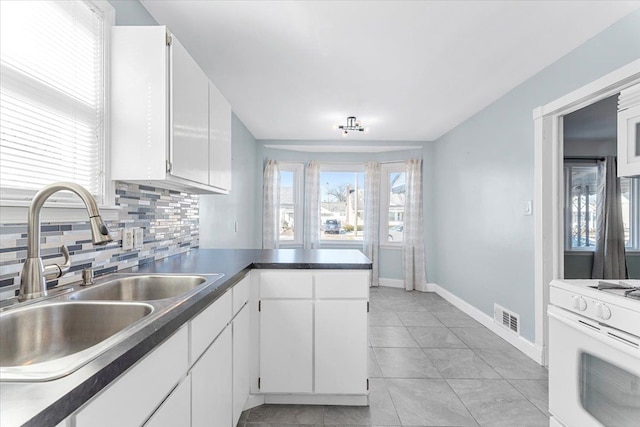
x=399, y=283
x=527, y=347
x=548, y=173
x=391, y=283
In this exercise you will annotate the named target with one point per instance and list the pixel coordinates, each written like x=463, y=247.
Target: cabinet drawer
x=286, y=284
x=342, y=284
x=146, y=384
x=240, y=294
x=176, y=409
x=207, y=325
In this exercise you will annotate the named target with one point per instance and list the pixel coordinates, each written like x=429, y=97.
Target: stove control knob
x=602, y=311
x=579, y=303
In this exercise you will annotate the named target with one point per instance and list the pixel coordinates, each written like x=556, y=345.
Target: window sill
x=289, y=245
x=629, y=252
x=391, y=246
x=341, y=243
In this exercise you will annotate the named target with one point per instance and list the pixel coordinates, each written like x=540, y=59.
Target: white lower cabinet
x=241, y=369
x=286, y=346
x=313, y=335
x=340, y=330
x=198, y=377
x=137, y=393
x=312, y=345
x=211, y=385
x=176, y=409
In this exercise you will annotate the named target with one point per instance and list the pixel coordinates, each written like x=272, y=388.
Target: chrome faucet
x=34, y=273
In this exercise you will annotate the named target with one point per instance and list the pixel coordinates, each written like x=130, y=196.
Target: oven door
x=594, y=373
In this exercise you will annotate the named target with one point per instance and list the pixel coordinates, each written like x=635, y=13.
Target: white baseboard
x=253, y=401
x=317, y=399
x=522, y=344
x=399, y=283
x=391, y=283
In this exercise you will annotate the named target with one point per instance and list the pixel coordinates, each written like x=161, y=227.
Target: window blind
x=51, y=97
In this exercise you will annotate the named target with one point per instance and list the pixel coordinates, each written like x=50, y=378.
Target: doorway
x=549, y=183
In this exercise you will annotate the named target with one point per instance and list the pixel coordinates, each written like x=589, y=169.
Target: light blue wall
x=390, y=259
x=219, y=213
x=578, y=265
x=131, y=12
x=484, y=169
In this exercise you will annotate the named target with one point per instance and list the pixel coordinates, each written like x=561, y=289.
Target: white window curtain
x=270, y=205
x=609, y=258
x=312, y=206
x=413, y=239
x=371, y=242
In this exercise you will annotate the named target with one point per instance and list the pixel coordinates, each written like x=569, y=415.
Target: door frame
x=549, y=190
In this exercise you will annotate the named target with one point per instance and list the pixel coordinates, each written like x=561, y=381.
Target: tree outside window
x=342, y=205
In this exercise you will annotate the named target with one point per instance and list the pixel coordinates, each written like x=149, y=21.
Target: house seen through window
x=341, y=204
x=290, y=202
x=581, y=200
x=396, y=194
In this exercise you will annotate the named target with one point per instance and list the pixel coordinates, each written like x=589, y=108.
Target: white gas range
x=594, y=353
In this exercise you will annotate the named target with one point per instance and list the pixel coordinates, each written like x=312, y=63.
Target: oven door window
x=609, y=393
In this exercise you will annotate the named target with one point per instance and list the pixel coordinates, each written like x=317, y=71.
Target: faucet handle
x=87, y=277
x=54, y=271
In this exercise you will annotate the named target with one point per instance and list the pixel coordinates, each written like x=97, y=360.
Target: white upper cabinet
x=189, y=116
x=170, y=127
x=629, y=132
x=219, y=140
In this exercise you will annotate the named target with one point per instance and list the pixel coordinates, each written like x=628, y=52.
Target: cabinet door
x=629, y=142
x=219, y=140
x=176, y=409
x=139, y=102
x=189, y=150
x=146, y=384
x=341, y=347
x=211, y=386
x=241, y=351
x=286, y=346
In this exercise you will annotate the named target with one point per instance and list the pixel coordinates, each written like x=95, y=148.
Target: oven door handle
x=627, y=348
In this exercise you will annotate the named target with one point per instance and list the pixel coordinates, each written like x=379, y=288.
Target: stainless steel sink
x=51, y=337
x=46, y=341
x=140, y=288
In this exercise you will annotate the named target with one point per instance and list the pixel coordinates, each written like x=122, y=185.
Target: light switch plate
x=528, y=207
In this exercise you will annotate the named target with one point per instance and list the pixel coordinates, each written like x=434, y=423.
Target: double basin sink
x=49, y=339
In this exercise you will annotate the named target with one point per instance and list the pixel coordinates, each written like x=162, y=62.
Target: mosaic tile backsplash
x=169, y=220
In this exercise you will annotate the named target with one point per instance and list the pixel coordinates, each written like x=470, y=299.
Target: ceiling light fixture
x=352, y=124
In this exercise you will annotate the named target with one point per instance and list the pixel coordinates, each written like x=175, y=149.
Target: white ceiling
x=409, y=70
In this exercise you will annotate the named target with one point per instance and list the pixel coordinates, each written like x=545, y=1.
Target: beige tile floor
x=430, y=365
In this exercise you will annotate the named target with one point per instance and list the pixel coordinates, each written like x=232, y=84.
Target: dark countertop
x=47, y=403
